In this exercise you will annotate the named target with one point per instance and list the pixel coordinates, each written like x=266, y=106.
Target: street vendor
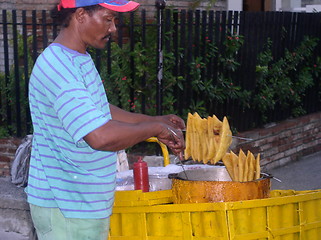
x=77, y=131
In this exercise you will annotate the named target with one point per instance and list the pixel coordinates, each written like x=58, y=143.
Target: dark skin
x=125, y=129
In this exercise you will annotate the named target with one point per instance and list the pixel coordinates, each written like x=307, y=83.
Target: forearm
x=129, y=117
x=127, y=129
x=116, y=135
x=124, y=116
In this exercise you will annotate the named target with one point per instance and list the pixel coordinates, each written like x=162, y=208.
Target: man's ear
x=80, y=15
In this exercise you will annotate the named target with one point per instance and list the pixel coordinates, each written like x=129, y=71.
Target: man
x=77, y=131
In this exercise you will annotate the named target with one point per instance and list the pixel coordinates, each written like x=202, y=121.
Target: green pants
x=50, y=224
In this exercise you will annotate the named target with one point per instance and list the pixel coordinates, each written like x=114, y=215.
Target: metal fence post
x=160, y=5
x=6, y=68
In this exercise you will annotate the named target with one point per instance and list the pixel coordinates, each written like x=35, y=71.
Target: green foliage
x=9, y=92
x=226, y=88
x=4, y=132
x=284, y=82
x=280, y=82
x=210, y=89
x=124, y=86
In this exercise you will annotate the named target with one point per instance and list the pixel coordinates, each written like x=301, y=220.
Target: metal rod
x=16, y=72
x=6, y=68
x=182, y=165
x=160, y=5
x=242, y=138
x=173, y=132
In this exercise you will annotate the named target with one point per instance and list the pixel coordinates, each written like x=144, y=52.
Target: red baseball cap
x=114, y=5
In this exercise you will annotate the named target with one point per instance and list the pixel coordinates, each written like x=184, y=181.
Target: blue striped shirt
x=67, y=101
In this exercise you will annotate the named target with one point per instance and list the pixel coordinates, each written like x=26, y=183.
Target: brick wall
x=8, y=147
x=278, y=144
x=284, y=142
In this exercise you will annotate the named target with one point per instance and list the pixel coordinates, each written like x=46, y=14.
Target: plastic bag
x=122, y=161
x=21, y=162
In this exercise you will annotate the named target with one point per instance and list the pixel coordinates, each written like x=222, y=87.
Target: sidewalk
x=303, y=174
x=15, y=219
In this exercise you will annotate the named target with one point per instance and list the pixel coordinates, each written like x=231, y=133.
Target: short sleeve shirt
x=67, y=101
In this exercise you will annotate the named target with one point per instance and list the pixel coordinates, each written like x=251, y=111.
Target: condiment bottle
x=141, y=179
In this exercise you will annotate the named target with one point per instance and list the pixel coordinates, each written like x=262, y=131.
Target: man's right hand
x=173, y=139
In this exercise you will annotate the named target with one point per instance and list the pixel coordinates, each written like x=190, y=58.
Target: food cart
x=284, y=215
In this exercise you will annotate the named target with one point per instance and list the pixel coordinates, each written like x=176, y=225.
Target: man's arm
x=129, y=117
x=124, y=116
x=127, y=129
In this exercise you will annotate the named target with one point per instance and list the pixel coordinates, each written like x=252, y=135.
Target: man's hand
x=173, y=139
x=172, y=120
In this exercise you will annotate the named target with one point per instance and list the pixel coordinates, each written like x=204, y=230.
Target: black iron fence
x=218, y=63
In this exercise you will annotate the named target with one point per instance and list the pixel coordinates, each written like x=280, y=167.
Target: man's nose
x=112, y=28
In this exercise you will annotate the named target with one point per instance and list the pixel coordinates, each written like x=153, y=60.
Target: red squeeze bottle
x=141, y=179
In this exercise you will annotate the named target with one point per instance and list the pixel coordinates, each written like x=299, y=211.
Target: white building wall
x=235, y=5
x=298, y=5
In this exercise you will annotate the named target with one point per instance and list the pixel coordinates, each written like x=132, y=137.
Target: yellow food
x=224, y=141
x=242, y=168
x=251, y=170
x=257, y=167
x=188, y=141
x=207, y=139
x=228, y=162
x=241, y=161
x=235, y=164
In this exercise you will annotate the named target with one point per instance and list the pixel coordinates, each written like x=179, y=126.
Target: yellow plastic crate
x=139, y=198
x=287, y=215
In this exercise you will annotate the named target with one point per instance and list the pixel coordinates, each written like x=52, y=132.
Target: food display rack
x=286, y=215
